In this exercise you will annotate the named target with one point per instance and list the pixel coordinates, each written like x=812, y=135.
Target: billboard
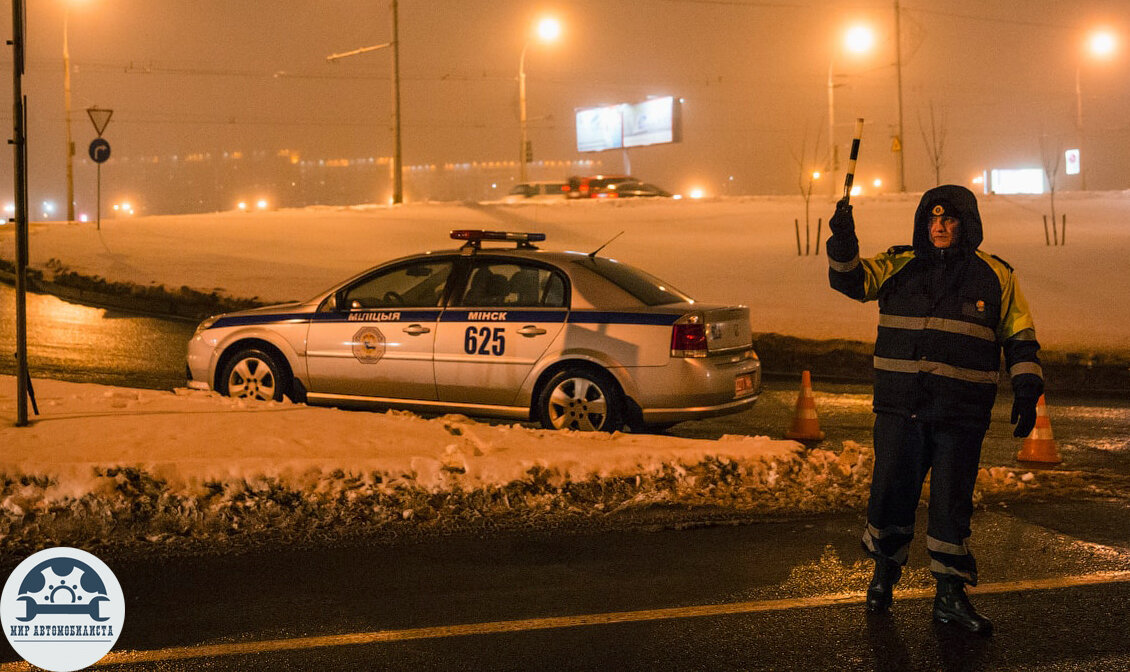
x=599, y=128
x=651, y=122
x=1017, y=181
x=654, y=121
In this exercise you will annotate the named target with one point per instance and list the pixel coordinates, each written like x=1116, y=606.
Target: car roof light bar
x=475, y=237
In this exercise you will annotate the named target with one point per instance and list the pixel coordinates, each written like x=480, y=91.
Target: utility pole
x=834, y=157
x=898, y=76
x=19, y=148
x=1079, y=125
x=67, y=118
x=523, y=140
x=397, y=159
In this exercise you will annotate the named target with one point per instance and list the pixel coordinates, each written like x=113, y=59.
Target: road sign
x=99, y=150
x=1072, y=156
x=99, y=118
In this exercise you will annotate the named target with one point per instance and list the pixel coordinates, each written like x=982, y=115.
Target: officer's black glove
x=1023, y=415
x=842, y=223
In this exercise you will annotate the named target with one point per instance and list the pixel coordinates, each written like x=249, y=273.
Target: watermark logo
x=62, y=609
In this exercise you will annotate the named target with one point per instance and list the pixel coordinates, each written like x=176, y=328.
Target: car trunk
x=727, y=329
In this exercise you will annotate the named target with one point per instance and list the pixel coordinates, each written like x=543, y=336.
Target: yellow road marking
x=522, y=625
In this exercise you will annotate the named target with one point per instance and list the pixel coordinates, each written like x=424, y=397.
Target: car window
x=650, y=290
x=512, y=285
x=420, y=285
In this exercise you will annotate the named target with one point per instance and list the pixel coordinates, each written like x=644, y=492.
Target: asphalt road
x=774, y=594
x=91, y=345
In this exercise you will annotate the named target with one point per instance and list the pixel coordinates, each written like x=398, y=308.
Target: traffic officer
x=946, y=311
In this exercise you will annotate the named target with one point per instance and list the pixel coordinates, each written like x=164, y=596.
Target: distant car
x=571, y=340
x=611, y=186
x=596, y=186
x=536, y=191
x=640, y=190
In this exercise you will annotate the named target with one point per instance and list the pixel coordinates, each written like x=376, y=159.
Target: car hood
x=278, y=308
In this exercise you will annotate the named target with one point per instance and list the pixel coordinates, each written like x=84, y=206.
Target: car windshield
x=649, y=289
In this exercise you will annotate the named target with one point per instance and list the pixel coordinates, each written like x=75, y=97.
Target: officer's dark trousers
x=905, y=450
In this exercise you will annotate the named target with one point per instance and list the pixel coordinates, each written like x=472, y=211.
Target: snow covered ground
x=112, y=465
x=740, y=250
x=117, y=465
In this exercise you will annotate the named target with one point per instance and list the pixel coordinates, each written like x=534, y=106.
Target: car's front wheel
x=580, y=399
x=253, y=374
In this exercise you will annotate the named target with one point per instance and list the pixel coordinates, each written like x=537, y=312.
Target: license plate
x=743, y=384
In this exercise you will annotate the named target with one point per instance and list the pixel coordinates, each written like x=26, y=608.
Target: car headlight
x=206, y=324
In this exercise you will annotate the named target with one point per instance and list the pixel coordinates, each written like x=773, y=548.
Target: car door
x=374, y=337
x=493, y=333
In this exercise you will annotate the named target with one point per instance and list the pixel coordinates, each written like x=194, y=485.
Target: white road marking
x=522, y=625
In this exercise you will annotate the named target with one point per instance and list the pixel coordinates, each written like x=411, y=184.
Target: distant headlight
x=206, y=324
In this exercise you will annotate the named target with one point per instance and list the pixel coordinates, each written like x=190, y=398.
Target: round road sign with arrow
x=99, y=150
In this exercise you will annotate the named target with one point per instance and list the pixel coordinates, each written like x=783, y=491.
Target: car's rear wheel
x=254, y=374
x=580, y=399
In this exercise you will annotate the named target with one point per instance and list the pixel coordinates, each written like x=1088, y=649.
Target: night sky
x=209, y=76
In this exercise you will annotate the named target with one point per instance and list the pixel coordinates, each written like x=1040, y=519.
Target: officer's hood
x=954, y=201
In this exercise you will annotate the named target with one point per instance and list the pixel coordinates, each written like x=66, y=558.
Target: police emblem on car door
x=374, y=338
x=491, y=336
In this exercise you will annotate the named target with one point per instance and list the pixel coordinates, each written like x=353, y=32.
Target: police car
x=567, y=339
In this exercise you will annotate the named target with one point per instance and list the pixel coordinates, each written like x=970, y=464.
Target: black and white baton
x=850, y=177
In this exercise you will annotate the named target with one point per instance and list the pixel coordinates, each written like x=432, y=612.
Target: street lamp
x=858, y=39
x=1101, y=45
x=547, y=30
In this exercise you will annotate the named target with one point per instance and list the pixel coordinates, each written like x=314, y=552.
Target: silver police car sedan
x=568, y=339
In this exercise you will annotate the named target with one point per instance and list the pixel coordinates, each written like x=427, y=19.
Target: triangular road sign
x=99, y=118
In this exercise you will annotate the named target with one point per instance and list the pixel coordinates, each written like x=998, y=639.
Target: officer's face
x=943, y=231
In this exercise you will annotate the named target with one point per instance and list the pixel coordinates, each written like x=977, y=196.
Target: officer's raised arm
x=845, y=273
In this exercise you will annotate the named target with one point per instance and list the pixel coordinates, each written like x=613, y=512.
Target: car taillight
x=688, y=340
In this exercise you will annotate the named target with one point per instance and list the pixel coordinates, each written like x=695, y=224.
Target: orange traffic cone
x=806, y=427
x=1040, y=446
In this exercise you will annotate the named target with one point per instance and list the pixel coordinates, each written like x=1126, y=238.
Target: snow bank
x=116, y=465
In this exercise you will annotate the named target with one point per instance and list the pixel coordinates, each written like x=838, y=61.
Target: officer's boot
x=887, y=574
x=952, y=606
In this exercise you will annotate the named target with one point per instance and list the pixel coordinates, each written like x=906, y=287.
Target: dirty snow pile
x=117, y=465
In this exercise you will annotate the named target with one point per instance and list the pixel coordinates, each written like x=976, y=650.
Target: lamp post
x=67, y=118
x=1101, y=45
x=858, y=39
x=548, y=30
x=898, y=144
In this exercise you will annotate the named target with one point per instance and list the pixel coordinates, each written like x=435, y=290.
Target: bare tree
x=1051, y=154
x=806, y=178
x=935, y=141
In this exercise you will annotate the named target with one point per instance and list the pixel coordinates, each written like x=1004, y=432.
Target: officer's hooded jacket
x=944, y=317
